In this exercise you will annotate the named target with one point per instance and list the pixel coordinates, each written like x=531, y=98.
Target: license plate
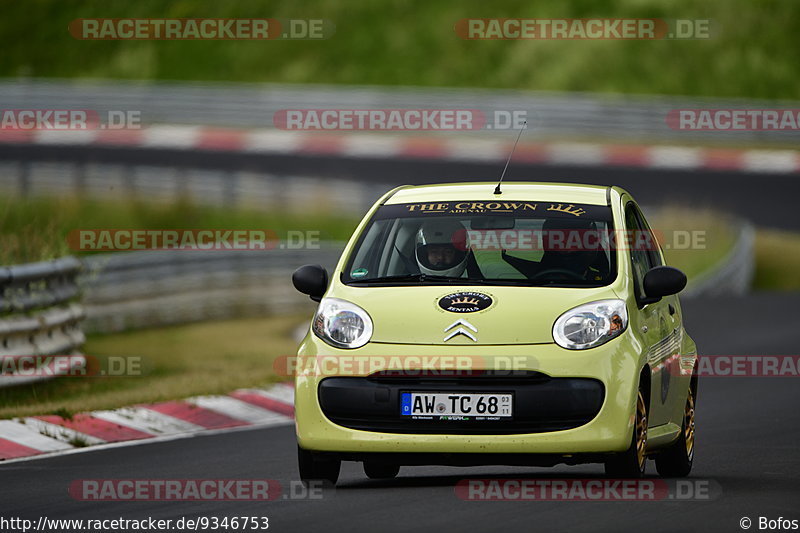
x=459, y=406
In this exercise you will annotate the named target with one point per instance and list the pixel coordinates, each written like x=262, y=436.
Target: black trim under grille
x=541, y=403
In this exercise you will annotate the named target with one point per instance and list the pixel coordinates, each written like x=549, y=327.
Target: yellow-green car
x=533, y=324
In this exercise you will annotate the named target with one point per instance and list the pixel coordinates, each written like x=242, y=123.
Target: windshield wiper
x=421, y=277
x=561, y=283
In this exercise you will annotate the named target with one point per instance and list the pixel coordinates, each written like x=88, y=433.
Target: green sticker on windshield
x=359, y=273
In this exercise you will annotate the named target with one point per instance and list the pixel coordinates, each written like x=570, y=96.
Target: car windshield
x=485, y=243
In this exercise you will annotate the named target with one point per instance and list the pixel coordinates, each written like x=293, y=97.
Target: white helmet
x=441, y=248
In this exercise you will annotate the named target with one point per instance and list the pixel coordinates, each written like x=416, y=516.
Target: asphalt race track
x=766, y=199
x=748, y=430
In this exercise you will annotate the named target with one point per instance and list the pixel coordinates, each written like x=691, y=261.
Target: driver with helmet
x=442, y=248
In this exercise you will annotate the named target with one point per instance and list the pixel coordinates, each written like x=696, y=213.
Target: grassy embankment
x=413, y=42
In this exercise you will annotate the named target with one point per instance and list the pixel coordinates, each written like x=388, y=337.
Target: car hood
x=487, y=315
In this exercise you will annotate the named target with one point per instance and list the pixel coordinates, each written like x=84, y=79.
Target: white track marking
x=477, y=150
x=281, y=394
x=239, y=410
x=675, y=157
x=138, y=442
x=576, y=154
x=147, y=421
x=171, y=136
x=370, y=146
x=65, y=136
x=162, y=427
x=61, y=433
x=771, y=161
x=273, y=141
x=29, y=436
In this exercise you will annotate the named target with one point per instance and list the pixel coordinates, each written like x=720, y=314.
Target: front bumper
x=541, y=403
x=598, y=385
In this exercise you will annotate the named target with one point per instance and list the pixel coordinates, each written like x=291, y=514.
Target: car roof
x=513, y=190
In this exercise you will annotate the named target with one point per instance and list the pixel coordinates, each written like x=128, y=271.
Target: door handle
x=644, y=329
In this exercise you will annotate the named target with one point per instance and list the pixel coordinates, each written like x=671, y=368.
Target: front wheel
x=631, y=462
x=375, y=470
x=676, y=461
x=317, y=468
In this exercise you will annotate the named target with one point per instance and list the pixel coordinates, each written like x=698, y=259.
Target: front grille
x=541, y=403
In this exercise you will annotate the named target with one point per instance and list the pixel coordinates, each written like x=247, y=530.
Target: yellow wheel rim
x=641, y=430
x=688, y=424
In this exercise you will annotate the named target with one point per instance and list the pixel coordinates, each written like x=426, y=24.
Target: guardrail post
x=38, y=317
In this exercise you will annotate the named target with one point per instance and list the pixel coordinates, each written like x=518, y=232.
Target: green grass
x=177, y=362
x=777, y=260
x=694, y=239
x=412, y=42
x=35, y=229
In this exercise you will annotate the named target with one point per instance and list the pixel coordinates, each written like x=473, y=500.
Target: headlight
x=590, y=325
x=342, y=324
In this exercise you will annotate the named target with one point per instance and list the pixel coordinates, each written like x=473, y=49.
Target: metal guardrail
x=248, y=190
x=131, y=290
x=35, y=285
x=733, y=274
x=37, y=320
x=550, y=114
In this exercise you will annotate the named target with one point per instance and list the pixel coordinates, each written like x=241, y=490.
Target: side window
x=653, y=253
x=644, y=248
x=640, y=260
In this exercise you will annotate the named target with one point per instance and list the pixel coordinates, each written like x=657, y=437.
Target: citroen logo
x=463, y=329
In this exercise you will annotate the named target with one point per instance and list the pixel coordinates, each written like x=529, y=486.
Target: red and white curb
x=48, y=434
x=388, y=145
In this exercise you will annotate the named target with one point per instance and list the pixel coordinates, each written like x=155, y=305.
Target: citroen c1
x=465, y=324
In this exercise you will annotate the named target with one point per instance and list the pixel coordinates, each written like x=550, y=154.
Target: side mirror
x=311, y=280
x=662, y=281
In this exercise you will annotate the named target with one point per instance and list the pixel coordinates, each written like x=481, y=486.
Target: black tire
x=375, y=470
x=631, y=463
x=314, y=467
x=676, y=461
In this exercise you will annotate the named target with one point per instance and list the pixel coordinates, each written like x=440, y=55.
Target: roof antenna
x=497, y=189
